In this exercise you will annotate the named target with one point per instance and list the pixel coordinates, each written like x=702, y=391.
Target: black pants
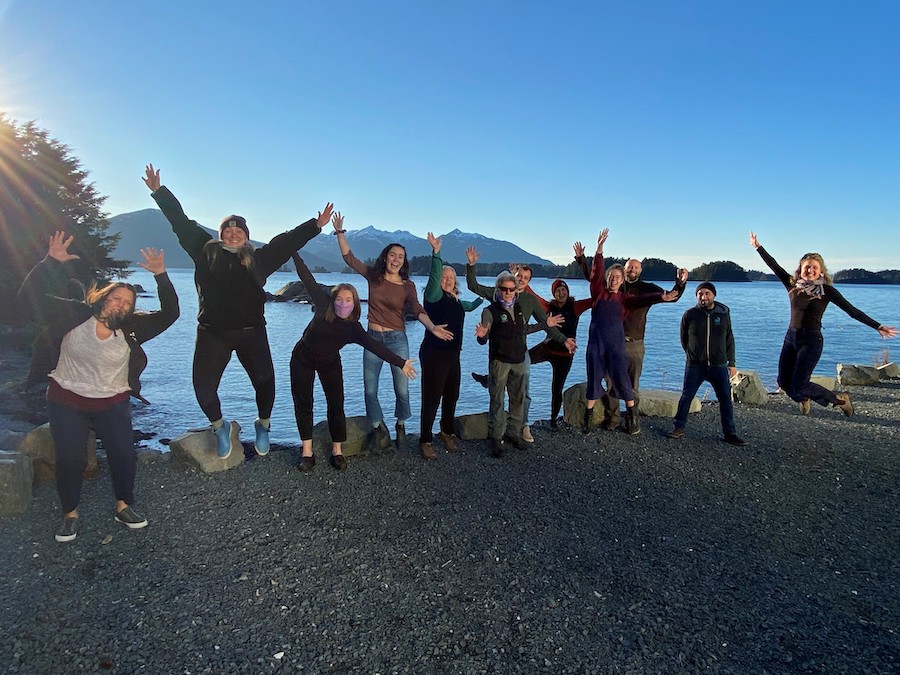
x=561, y=365
x=212, y=354
x=70, y=428
x=331, y=375
x=440, y=386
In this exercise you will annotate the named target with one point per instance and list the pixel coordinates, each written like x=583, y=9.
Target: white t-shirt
x=91, y=367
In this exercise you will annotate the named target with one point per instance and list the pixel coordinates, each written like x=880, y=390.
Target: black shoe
x=497, y=447
x=586, y=422
x=734, y=439
x=338, y=462
x=401, y=436
x=554, y=424
x=517, y=443
x=480, y=379
x=632, y=422
x=675, y=433
x=306, y=464
x=379, y=440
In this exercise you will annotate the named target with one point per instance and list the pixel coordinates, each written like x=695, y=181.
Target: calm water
x=759, y=314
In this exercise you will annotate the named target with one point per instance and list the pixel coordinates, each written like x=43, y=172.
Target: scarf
x=498, y=298
x=815, y=289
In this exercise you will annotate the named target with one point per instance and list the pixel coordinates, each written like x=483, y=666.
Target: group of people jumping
x=98, y=358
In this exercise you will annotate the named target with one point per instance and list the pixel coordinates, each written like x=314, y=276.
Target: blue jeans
x=717, y=376
x=799, y=356
x=396, y=341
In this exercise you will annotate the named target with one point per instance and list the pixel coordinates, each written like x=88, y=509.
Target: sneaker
x=130, y=519
x=427, y=450
x=306, y=464
x=517, y=443
x=804, y=407
x=262, y=437
x=68, y=530
x=526, y=434
x=480, y=379
x=734, y=439
x=675, y=433
x=338, y=463
x=449, y=441
x=844, y=404
x=497, y=447
x=223, y=440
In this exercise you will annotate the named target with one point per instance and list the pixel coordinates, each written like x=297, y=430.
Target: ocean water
x=759, y=312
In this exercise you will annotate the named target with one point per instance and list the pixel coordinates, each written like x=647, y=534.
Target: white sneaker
x=526, y=434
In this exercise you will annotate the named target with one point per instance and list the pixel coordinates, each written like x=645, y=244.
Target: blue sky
x=679, y=125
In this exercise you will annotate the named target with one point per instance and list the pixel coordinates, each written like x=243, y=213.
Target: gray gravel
x=599, y=553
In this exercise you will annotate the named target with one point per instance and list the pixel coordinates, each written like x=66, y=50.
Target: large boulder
x=9, y=439
x=294, y=291
x=472, y=427
x=653, y=403
x=747, y=388
x=849, y=375
x=197, y=450
x=357, y=430
x=38, y=444
x=16, y=477
x=889, y=371
x=824, y=381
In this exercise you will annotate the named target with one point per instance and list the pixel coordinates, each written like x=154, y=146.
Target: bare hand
x=441, y=332
x=754, y=242
x=570, y=345
x=337, y=221
x=887, y=332
x=555, y=320
x=472, y=255
x=154, y=261
x=408, y=370
x=152, y=178
x=59, y=247
x=435, y=243
x=324, y=216
x=670, y=296
x=578, y=247
x=682, y=275
x=732, y=371
x=481, y=330
x=602, y=239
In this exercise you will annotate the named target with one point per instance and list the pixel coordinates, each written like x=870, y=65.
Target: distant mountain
x=150, y=228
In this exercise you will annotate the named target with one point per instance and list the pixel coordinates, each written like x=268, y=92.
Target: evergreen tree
x=44, y=189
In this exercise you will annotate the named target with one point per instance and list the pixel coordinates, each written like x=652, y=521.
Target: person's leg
x=371, y=374
x=515, y=386
x=69, y=428
x=634, y=353
x=786, y=363
x=302, y=379
x=561, y=366
x=526, y=410
x=693, y=378
x=398, y=343
x=718, y=377
x=211, y=355
x=452, y=381
x=113, y=427
x=617, y=366
x=809, y=344
x=331, y=375
x=253, y=352
x=499, y=372
x=432, y=385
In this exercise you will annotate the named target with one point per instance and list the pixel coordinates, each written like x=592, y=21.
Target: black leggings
x=211, y=356
x=440, y=382
x=561, y=365
x=331, y=375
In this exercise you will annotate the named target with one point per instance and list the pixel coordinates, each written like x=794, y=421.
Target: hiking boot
x=379, y=440
x=497, y=447
x=804, y=407
x=338, y=463
x=224, y=445
x=262, y=437
x=449, y=441
x=675, y=433
x=517, y=443
x=526, y=434
x=734, y=439
x=480, y=379
x=586, y=422
x=427, y=450
x=306, y=464
x=400, y=441
x=632, y=422
x=554, y=424
x=844, y=403
x=130, y=519
x=68, y=530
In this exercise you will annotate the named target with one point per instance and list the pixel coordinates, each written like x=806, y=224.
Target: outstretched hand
x=472, y=255
x=481, y=330
x=435, y=243
x=754, y=242
x=408, y=370
x=555, y=320
x=324, y=216
x=670, y=296
x=602, y=239
x=578, y=247
x=887, y=332
x=682, y=275
x=154, y=260
x=58, y=248
x=441, y=332
x=337, y=221
x=152, y=178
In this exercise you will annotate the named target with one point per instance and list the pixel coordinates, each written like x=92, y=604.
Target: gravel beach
x=598, y=553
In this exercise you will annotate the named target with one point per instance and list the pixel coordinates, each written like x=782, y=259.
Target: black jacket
x=706, y=336
x=61, y=315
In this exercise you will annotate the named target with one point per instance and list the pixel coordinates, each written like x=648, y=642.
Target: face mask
x=115, y=322
x=343, y=309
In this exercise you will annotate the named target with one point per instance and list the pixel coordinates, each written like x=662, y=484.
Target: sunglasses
x=507, y=289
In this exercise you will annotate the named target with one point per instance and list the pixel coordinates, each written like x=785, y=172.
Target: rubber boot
x=632, y=421
x=586, y=423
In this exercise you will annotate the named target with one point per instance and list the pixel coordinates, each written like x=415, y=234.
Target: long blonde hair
x=213, y=248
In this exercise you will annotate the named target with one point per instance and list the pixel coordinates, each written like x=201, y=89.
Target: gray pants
x=512, y=378
x=634, y=352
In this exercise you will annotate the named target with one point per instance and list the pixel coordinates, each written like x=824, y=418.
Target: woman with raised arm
x=810, y=289
x=335, y=324
x=230, y=274
x=390, y=291
x=440, y=358
x=97, y=364
x=606, y=337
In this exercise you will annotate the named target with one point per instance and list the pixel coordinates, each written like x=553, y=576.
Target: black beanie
x=705, y=284
x=234, y=221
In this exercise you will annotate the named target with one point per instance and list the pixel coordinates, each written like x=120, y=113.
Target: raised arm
x=486, y=292
x=190, y=235
x=433, y=290
x=598, y=269
x=33, y=297
x=578, y=247
x=352, y=261
x=277, y=252
x=151, y=324
x=779, y=271
x=320, y=296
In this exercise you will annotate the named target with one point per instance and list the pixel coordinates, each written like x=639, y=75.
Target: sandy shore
x=582, y=554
